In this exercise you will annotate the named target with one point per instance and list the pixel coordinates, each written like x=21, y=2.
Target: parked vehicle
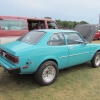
x=11, y=28
x=97, y=35
x=44, y=52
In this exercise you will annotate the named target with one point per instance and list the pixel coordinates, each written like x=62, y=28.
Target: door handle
x=71, y=48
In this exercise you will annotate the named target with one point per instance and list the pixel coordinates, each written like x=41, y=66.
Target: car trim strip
x=92, y=51
x=63, y=57
x=78, y=54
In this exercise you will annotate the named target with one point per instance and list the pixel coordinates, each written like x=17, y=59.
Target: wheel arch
x=95, y=61
x=97, y=51
x=93, y=54
x=47, y=60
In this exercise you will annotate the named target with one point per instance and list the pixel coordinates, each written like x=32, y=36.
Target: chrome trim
x=92, y=51
x=78, y=54
x=63, y=57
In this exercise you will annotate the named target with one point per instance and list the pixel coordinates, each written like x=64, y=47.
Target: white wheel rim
x=49, y=74
x=97, y=60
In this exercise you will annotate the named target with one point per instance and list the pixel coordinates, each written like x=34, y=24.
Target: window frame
x=52, y=22
x=57, y=45
x=14, y=20
x=80, y=42
x=20, y=39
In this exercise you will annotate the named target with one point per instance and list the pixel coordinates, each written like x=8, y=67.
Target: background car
x=11, y=27
x=44, y=52
x=97, y=35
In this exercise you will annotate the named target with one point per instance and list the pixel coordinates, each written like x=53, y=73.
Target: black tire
x=42, y=75
x=95, y=62
x=99, y=38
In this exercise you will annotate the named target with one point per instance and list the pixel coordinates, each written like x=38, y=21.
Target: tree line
x=68, y=24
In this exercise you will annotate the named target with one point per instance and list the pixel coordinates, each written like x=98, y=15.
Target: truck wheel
x=47, y=73
x=95, y=62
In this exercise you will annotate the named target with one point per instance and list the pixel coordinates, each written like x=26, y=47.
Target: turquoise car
x=44, y=52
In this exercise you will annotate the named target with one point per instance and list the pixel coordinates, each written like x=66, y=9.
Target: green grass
x=80, y=82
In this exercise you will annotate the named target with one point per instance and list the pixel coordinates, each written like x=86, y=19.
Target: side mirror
x=86, y=43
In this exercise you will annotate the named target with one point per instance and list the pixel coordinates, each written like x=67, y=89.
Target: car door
x=59, y=49
x=79, y=52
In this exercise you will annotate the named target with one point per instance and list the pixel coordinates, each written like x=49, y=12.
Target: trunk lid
x=15, y=46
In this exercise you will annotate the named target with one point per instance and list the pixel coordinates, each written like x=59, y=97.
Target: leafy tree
x=60, y=23
x=68, y=24
x=48, y=17
x=83, y=22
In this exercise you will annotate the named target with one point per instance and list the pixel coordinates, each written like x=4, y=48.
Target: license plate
x=4, y=54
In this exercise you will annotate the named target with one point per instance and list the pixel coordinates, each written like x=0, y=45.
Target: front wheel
x=47, y=73
x=95, y=62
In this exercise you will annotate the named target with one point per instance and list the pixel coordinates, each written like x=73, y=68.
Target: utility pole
x=99, y=18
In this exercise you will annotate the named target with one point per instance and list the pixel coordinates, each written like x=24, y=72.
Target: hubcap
x=49, y=74
x=97, y=60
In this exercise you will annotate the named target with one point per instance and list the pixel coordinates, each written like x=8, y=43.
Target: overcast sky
x=71, y=10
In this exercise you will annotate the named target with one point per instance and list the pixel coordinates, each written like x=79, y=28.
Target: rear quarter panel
x=34, y=57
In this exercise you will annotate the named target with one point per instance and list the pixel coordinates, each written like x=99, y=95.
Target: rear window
x=13, y=25
x=32, y=37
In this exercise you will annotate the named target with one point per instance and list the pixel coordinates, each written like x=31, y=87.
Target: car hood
x=15, y=46
x=87, y=31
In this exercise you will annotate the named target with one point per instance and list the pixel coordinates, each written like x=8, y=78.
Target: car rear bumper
x=9, y=67
x=12, y=70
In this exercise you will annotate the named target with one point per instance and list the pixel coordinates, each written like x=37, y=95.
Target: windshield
x=32, y=37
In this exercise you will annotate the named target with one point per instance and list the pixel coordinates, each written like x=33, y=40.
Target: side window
x=42, y=25
x=52, y=25
x=36, y=24
x=73, y=38
x=23, y=25
x=13, y=25
x=57, y=39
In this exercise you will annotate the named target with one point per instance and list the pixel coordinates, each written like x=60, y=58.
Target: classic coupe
x=44, y=52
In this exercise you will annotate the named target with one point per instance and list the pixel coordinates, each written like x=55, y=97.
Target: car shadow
x=24, y=82
x=84, y=66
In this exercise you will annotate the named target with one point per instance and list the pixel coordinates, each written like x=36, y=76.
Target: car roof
x=29, y=18
x=54, y=30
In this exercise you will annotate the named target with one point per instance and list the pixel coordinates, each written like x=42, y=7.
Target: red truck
x=11, y=28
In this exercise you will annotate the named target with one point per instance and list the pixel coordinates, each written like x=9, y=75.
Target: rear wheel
x=96, y=60
x=47, y=73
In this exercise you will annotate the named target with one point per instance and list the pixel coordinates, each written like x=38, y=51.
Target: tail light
x=0, y=51
x=10, y=57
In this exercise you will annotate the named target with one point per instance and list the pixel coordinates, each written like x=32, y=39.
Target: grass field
x=80, y=82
